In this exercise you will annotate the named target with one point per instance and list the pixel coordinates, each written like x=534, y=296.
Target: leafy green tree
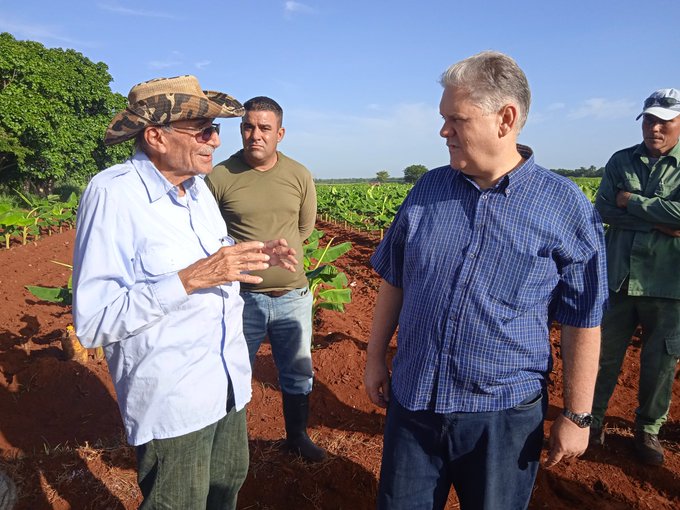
x=413, y=173
x=11, y=152
x=382, y=176
x=55, y=106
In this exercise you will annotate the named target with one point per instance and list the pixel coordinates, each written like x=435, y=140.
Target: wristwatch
x=583, y=420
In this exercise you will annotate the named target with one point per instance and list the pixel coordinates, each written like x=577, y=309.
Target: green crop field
x=372, y=207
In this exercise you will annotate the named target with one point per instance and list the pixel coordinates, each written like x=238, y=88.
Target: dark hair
x=264, y=104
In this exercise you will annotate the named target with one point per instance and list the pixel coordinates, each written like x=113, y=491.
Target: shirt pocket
x=673, y=345
x=522, y=280
x=156, y=263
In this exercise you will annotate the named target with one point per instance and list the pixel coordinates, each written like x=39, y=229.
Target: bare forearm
x=580, y=353
x=385, y=320
x=580, y=357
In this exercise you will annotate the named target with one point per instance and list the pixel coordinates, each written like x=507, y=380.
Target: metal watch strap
x=582, y=420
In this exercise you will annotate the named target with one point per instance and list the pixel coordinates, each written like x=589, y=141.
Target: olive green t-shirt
x=259, y=206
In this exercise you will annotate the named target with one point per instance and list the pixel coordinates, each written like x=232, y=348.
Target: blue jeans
x=287, y=322
x=197, y=471
x=491, y=458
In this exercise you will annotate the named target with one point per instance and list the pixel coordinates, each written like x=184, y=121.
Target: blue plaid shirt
x=483, y=274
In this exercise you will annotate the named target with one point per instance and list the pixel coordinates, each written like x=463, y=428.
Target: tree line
x=414, y=172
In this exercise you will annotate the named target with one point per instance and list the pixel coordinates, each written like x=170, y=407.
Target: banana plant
x=328, y=285
x=62, y=295
x=14, y=221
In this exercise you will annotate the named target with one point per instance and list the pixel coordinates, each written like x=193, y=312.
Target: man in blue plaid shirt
x=483, y=254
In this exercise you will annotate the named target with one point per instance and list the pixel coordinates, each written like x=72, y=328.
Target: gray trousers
x=200, y=470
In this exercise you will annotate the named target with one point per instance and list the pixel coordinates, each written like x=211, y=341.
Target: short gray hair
x=491, y=79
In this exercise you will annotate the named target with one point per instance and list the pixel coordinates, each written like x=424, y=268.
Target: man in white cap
x=639, y=198
x=156, y=283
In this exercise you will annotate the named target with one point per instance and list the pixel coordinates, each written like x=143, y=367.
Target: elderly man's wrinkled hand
x=228, y=264
x=280, y=254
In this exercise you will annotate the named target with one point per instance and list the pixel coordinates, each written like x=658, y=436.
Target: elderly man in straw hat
x=156, y=283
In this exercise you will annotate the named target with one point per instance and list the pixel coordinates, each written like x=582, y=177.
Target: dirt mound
x=62, y=443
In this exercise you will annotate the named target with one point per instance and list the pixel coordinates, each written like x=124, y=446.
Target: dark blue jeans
x=200, y=470
x=491, y=459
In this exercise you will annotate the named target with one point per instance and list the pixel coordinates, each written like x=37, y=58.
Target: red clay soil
x=62, y=443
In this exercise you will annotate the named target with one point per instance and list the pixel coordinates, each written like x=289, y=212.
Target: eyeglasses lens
x=206, y=134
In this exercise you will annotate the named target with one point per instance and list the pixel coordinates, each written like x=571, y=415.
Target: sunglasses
x=663, y=102
x=201, y=134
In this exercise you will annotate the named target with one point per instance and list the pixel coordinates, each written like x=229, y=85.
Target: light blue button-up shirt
x=169, y=353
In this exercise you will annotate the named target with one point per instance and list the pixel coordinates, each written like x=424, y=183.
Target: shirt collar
x=515, y=177
x=641, y=150
x=156, y=184
x=522, y=172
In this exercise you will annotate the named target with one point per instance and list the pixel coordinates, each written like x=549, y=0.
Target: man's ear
x=280, y=134
x=508, y=120
x=155, y=138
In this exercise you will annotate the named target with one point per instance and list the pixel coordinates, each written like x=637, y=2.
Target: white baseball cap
x=664, y=103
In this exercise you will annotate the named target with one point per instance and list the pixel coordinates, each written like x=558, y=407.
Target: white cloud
x=536, y=118
x=556, y=106
x=291, y=7
x=333, y=144
x=42, y=33
x=173, y=60
x=163, y=64
x=203, y=64
x=389, y=139
x=602, y=108
x=119, y=9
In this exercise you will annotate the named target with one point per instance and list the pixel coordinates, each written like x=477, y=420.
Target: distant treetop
x=413, y=173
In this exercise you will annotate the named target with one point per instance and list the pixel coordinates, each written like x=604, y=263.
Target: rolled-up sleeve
x=582, y=291
x=388, y=259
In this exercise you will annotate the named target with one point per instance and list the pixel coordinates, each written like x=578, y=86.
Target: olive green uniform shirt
x=259, y=206
x=635, y=250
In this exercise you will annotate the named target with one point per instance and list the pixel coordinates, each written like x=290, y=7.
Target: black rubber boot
x=295, y=413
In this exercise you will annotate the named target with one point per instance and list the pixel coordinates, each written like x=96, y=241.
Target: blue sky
x=358, y=80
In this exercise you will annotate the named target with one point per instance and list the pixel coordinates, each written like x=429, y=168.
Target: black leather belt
x=276, y=293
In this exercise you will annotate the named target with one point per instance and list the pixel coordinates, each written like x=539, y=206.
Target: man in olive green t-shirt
x=260, y=191
x=639, y=197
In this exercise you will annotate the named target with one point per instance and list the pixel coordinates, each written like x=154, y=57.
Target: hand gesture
x=280, y=254
x=228, y=264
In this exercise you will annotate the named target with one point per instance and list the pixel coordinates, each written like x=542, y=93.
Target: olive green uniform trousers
x=660, y=322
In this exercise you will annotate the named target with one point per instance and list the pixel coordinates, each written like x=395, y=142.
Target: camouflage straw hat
x=164, y=100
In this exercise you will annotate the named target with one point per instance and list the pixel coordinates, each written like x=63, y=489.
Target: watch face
x=583, y=420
